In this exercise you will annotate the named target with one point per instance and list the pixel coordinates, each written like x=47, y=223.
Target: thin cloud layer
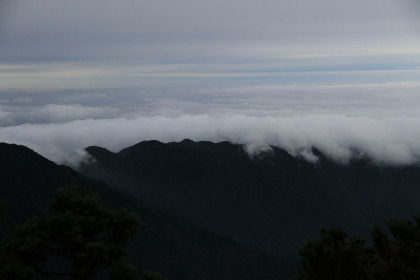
x=341, y=76
x=387, y=140
x=102, y=43
x=378, y=121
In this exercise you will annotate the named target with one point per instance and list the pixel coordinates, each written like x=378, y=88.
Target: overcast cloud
x=336, y=75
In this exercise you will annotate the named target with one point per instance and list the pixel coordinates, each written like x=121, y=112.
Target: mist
x=381, y=121
x=339, y=77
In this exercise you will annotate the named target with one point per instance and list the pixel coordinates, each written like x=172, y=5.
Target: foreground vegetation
x=81, y=239
x=78, y=239
x=336, y=256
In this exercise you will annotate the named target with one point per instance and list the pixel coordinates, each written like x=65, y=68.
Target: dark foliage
x=335, y=256
x=273, y=201
x=170, y=245
x=78, y=238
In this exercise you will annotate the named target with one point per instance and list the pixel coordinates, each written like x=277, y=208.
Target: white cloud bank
x=212, y=70
x=378, y=121
x=390, y=140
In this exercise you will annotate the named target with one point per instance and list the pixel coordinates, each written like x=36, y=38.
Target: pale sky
x=336, y=75
x=104, y=43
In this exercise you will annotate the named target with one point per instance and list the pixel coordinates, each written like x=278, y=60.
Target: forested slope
x=164, y=243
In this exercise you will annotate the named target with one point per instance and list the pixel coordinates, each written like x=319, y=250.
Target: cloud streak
x=79, y=44
x=338, y=76
x=386, y=140
x=379, y=121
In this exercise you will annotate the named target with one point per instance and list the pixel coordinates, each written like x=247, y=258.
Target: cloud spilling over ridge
x=378, y=121
x=390, y=140
x=339, y=76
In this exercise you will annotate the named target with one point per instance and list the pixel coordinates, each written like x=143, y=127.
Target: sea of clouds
x=378, y=121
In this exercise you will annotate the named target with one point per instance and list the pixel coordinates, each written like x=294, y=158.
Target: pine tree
x=78, y=239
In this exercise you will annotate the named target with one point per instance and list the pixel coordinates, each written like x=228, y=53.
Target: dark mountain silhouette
x=165, y=243
x=272, y=201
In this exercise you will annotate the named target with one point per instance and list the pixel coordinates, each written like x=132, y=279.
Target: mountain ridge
x=274, y=201
x=165, y=243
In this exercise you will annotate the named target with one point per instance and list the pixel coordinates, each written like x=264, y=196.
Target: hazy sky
x=336, y=75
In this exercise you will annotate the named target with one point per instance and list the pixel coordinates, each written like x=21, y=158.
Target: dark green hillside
x=164, y=243
x=27, y=181
x=273, y=201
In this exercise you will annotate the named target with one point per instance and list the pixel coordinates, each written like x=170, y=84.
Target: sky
x=340, y=76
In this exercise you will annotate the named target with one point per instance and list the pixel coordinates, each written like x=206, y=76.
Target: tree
x=335, y=256
x=79, y=238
